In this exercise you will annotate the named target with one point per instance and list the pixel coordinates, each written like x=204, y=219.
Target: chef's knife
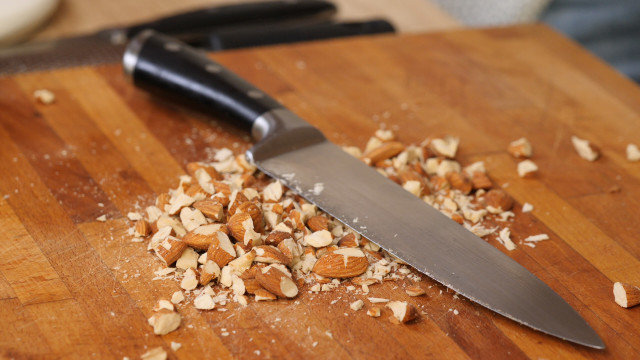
x=262, y=35
x=296, y=153
x=107, y=45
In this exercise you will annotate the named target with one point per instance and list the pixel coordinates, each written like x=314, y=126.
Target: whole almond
x=277, y=282
x=342, y=263
x=221, y=250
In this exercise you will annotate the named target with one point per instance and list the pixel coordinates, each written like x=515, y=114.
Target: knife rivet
x=213, y=68
x=255, y=94
x=171, y=46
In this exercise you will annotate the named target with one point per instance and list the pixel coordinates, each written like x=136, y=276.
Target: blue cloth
x=608, y=28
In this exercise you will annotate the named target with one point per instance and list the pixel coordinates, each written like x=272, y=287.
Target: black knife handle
x=161, y=64
x=253, y=12
x=239, y=37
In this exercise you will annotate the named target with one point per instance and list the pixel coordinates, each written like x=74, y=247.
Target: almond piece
x=276, y=237
x=263, y=295
x=269, y=254
x=626, y=295
x=242, y=263
x=349, y=240
x=527, y=169
x=254, y=211
x=448, y=146
x=585, y=149
x=202, y=237
x=480, y=180
x=272, y=192
x=497, y=201
x=460, y=182
x=162, y=200
x=241, y=228
x=633, y=153
x=317, y=223
x=319, y=239
x=204, y=301
x=191, y=218
x=342, y=263
x=277, y=282
x=252, y=285
x=402, y=311
x=194, y=166
x=290, y=250
x=210, y=208
x=170, y=250
x=221, y=250
x=415, y=291
x=356, y=305
x=382, y=152
x=141, y=228
x=374, y=311
x=209, y=271
x=165, y=321
x=520, y=149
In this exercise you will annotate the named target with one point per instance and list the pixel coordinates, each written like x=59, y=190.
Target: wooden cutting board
x=73, y=287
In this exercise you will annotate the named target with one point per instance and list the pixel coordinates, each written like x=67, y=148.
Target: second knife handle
x=161, y=64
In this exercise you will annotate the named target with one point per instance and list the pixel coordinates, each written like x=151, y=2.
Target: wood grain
x=74, y=287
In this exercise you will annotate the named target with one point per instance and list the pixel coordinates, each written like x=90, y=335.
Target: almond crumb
x=356, y=305
x=585, y=149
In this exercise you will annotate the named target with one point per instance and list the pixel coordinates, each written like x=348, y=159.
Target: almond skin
x=342, y=263
x=269, y=254
x=236, y=229
x=170, y=250
x=194, y=166
x=221, y=250
x=317, y=223
x=383, y=152
x=142, y=228
x=210, y=208
x=480, y=180
x=252, y=285
x=277, y=282
x=276, y=237
x=256, y=214
x=498, y=199
x=460, y=182
x=348, y=240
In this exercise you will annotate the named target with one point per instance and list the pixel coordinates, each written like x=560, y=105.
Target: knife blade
x=107, y=46
x=296, y=153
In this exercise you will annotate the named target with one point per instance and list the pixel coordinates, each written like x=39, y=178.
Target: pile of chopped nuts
x=230, y=233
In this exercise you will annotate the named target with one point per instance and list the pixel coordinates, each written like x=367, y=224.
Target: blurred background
x=608, y=28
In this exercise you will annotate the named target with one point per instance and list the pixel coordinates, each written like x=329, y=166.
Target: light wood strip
x=123, y=129
x=133, y=267
x=77, y=264
x=125, y=188
x=20, y=337
x=24, y=266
